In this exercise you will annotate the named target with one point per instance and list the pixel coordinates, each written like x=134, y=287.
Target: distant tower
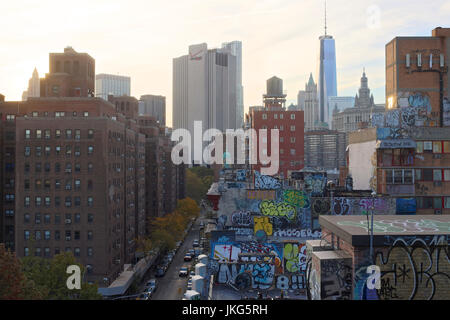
x=34, y=87
x=274, y=98
x=363, y=98
x=327, y=80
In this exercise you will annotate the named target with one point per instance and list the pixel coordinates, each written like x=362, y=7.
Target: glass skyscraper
x=327, y=80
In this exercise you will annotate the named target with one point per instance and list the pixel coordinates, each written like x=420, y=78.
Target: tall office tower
x=311, y=104
x=327, y=74
x=33, y=87
x=71, y=74
x=204, y=89
x=235, y=48
x=151, y=105
x=110, y=84
x=301, y=97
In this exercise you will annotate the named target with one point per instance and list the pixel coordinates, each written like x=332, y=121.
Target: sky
x=279, y=37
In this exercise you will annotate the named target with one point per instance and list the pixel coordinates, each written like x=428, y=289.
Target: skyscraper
x=310, y=105
x=33, y=87
x=235, y=48
x=151, y=105
x=204, y=89
x=110, y=84
x=327, y=74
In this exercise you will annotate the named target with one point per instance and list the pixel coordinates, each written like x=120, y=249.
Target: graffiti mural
x=291, y=282
x=409, y=225
x=296, y=198
x=263, y=224
x=446, y=109
x=414, y=270
x=393, y=118
x=266, y=182
x=320, y=206
x=336, y=279
x=298, y=234
x=377, y=120
x=294, y=255
x=241, y=175
x=315, y=185
x=342, y=206
x=280, y=209
x=241, y=218
x=261, y=194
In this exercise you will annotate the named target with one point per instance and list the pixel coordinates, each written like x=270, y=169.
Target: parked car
x=152, y=283
x=144, y=296
x=189, y=284
x=191, y=252
x=160, y=272
x=183, y=272
x=192, y=273
x=187, y=257
x=195, y=243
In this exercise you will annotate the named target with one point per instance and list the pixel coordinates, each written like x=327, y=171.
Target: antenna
x=325, y=17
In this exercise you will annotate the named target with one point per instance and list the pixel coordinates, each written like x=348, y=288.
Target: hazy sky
x=280, y=37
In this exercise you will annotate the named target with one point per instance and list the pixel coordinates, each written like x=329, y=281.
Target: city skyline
x=268, y=50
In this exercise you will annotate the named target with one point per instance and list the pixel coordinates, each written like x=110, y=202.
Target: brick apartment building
x=290, y=124
x=74, y=169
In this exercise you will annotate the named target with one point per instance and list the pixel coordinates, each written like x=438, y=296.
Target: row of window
x=46, y=218
x=47, y=235
x=47, y=167
x=433, y=146
x=69, y=184
x=46, y=201
x=433, y=202
x=58, y=149
x=76, y=253
x=278, y=116
x=281, y=128
x=408, y=176
x=69, y=134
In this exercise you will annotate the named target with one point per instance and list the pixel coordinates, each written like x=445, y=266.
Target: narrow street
x=171, y=286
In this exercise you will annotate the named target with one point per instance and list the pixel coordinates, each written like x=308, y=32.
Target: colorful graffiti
x=408, y=225
x=294, y=255
x=266, y=182
x=336, y=279
x=262, y=224
x=291, y=281
x=342, y=206
x=241, y=175
x=414, y=270
x=320, y=206
x=296, y=198
x=446, y=109
x=280, y=209
x=297, y=234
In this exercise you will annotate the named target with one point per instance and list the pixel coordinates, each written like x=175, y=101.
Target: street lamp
x=371, y=223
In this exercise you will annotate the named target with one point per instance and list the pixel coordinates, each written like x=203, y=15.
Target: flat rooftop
x=355, y=229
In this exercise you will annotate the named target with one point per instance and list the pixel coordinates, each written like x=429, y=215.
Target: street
x=171, y=286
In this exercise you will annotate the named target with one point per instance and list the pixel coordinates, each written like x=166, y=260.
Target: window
x=57, y=167
x=47, y=167
x=427, y=146
x=47, y=134
x=68, y=134
x=58, y=150
x=57, y=235
x=419, y=148
x=408, y=176
x=37, y=235
x=38, y=134
x=57, y=251
x=90, y=201
x=68, y=235
x=68, y=167
x=427, y=174
x=76, y=252
x=437, y=175
x=281, y=116
x=68, y=218
x=437, y=203
x=90, y=133
x=48, y=149
x=292, y=139
x=26, y=235
x=292, y=116
x=292, y=128
x=38, y=252
x=47, y=252
x=77, y=218
x=446, y=174
x=47, y=219
x=27, y=168
x=57, y=201
x=26, y=218
x=68, y=185
x=27, y=134
x=77, y=167
x=26, y=201
x=38, y=201
x=77, y=201
x=447, y=202
x=47, y=184
x=76, y=235
x=281, y=139
x=446, y=146
x=275, y=115
x=293, y=152
x=90, y=150
x=90, y=217
x=281, y=151
x=77, y=151
x=27, y=151
x=90, y=167
x=57, y=133
x=38, y=151
x=74, y=114
x=90, y=252
x=77, y=184
x=90, y=234
x=68, y=151
x=47, y=201
x=10, y=117
x=77, y=134
x=57, y=218
x=264, y=116
x=68, y=202
x=26, y=251
x=46, y=235
x=437, y=147
x=86, y=114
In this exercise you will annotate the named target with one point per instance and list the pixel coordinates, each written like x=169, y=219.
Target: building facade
x=71, y=74
x=204, y=89
x=34, y=87
x=325, y=149
x=110, y=84
x=155, y=106
x=327, y=83
x=308, y=101
x=290, y=124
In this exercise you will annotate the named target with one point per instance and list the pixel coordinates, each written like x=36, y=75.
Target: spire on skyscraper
x=325, y=17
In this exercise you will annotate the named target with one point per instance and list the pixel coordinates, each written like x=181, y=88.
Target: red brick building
x=290, y=124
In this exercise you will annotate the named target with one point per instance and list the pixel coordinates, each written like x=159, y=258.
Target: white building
x=235, y=48
x=204, y=89
x=308, y=101
x=339, y=103
x=110, y=84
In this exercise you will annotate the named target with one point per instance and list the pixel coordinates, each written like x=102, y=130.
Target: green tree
x=50, y=278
